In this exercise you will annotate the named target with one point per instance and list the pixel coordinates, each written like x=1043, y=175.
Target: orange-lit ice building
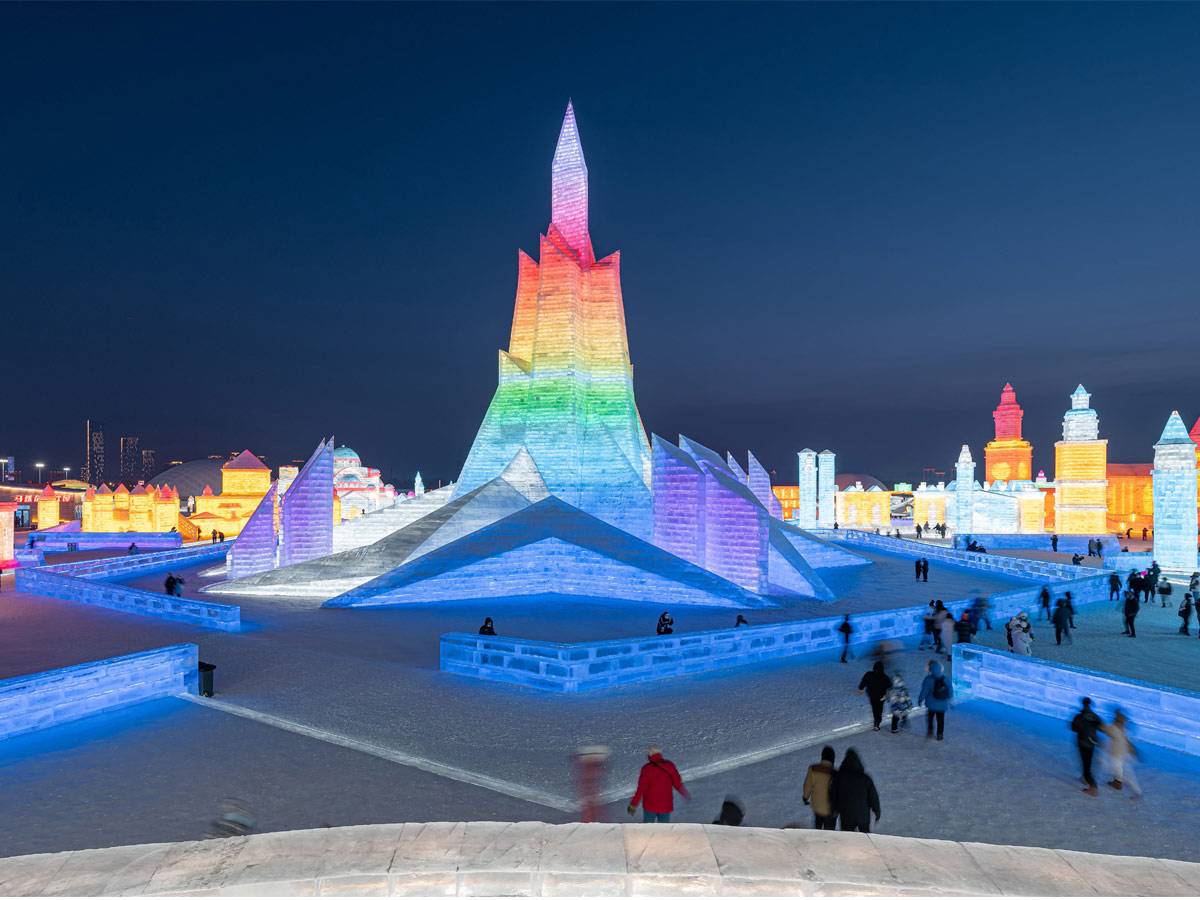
x=1009, y=457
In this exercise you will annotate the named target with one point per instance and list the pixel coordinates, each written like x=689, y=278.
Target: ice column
x=805, y=515
x=964, y=473
x=1175, y=520
x=826, y=488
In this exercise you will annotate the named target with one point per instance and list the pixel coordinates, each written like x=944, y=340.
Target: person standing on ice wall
x=658, y=780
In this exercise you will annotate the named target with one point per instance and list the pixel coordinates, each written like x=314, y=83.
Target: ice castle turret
x=805, y=515
x=1008, y=457
x=964, y=474
x=826, y=488
x=1175, y=519
x=566, y=381
x=1080, y=471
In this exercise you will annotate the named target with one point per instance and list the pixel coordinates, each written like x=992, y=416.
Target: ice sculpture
x=566, y=383
x=253, y=550
x=805, y=515
x=1080, y=479
x=1175, y=518
x=306, y=510
x=964, y=475
x=1009, y=457
x=418, y=486
x=759, y=483
x=826, y=489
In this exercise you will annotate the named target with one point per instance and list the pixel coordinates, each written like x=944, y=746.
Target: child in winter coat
x=900, y=703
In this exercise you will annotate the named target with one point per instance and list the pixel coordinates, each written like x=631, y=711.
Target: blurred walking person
x=1185, y=612
x=1114, y=587
x=816, y=791
x=658, y=781
x=1086, y=726
x=846, y=629
x=1062, y=622
x=852, y=794
x=1044, y=602
x=1121, y=754
x=876, y=684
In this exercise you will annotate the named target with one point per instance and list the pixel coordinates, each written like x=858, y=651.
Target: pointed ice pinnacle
x=569, y=187
x=1080, y=398
x=1175, y=432
x=522, y=473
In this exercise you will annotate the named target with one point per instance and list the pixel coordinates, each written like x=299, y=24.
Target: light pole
x=39, y=466
x=66, y=473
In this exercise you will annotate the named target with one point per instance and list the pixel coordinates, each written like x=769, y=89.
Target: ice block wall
x=805, y=515
x=306, y=510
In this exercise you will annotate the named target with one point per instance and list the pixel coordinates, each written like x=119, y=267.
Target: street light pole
x=39, y=467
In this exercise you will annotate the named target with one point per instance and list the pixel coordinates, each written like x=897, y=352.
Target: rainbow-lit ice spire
x=566, y=383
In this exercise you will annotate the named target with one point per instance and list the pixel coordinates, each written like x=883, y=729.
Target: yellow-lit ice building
x=1081, y=471
x=245, y=480
x=142, y=509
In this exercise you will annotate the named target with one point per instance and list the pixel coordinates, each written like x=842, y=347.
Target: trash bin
x=206, y=679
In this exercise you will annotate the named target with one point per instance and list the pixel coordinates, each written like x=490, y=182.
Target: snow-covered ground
x=371, y=676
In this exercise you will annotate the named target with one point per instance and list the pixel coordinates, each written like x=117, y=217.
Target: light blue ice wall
x=826, y=488
x=1161, y=715
x=44, y=699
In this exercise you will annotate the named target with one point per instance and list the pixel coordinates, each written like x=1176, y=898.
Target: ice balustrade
x=594, y=665
x=990, y=562
x=33, y=702
x=58, y=541
x=88, y=582
x=1168, y=717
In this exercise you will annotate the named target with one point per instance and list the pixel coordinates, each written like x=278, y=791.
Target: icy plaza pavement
x=369, y=679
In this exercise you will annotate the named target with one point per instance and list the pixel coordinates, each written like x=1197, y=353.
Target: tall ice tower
x=566, y=383
x=1080, y=471
x=1175, y=519
x=1009, y=457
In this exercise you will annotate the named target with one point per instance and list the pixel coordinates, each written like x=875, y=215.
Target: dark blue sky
x=841, y=226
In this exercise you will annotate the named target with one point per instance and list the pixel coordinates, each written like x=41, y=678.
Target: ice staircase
x=377, y=525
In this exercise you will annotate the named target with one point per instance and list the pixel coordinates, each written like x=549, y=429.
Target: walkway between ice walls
x=472, y=859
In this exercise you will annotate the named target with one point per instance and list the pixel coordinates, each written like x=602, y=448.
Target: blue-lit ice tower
x=1175, y=520
x=806, y=508
x=964, y=486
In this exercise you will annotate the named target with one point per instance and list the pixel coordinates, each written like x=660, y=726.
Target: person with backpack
x=1086, y=726
x=655, y=789
x=876, y=684
x=816, y=791
x=935, y=695
x=853, y=795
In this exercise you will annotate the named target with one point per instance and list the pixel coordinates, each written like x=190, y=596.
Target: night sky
x=232, y=225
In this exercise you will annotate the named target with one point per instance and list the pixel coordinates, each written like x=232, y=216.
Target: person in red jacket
x=656, y=784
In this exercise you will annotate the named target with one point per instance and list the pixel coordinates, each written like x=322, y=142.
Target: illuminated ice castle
x=561, y=492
